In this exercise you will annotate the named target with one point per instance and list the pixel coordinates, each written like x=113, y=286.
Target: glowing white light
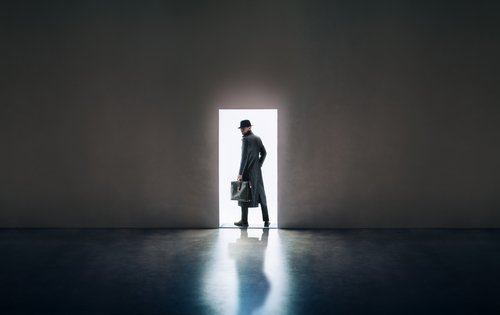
x=225, y=284
x=265, y=125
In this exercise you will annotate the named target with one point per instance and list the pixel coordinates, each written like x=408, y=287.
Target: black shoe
x=241, y=223
x=266, y=223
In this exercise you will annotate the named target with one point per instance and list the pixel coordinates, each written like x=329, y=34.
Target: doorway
x=265, y=125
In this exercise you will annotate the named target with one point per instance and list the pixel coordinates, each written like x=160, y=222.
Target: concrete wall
x=388, y=110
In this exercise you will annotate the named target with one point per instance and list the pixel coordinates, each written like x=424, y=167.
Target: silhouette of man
x=253, y=155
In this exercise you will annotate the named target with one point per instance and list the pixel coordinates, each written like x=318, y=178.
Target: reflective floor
x=249, y=271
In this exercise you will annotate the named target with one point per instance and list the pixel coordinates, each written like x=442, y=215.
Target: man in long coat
x=253, y=154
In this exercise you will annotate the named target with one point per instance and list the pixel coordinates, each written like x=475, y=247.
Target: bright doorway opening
x=265, y=125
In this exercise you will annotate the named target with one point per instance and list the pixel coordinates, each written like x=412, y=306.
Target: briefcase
x=241, y=191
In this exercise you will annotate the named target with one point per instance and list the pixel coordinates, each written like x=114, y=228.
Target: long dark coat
x=253, y=155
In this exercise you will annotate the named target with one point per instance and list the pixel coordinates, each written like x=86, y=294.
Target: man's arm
x=263, y=154
x=244, y=158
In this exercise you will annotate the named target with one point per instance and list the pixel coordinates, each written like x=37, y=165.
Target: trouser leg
x=244, y=214
x=265, y=213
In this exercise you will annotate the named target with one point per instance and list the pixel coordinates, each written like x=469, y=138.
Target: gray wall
x=388, y=110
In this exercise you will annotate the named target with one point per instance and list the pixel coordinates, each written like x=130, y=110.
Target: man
x=253, y=154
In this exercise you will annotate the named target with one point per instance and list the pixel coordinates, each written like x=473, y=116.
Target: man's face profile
x=244, y=130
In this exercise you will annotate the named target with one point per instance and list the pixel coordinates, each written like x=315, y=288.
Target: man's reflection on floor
x=253, y=285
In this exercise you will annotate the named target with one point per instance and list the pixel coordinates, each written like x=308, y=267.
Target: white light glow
x=240, y=256
x=265, y=125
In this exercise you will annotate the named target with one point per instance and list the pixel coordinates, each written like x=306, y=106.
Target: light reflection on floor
x=231, y=271
x=247, y=274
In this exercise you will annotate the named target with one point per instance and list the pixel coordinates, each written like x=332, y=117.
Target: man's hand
x=240, y=177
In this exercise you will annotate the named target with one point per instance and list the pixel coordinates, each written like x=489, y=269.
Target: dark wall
x=388, y=110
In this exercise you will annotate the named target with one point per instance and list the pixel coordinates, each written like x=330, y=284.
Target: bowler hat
x=245, y=123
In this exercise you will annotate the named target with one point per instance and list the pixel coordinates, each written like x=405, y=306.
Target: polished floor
x=249, y=271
